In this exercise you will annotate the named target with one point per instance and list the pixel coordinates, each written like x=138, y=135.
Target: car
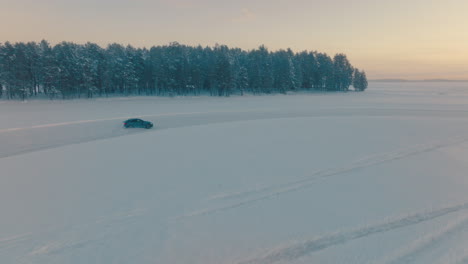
x=136, y=122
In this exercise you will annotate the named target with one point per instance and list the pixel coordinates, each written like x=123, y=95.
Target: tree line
x=69, y=70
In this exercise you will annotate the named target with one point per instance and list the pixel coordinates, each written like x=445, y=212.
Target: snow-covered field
x=373, y=177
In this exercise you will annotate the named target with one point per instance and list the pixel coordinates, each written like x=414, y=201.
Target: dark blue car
x=135, y=122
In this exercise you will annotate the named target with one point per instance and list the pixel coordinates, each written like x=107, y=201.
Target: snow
x=372, y=177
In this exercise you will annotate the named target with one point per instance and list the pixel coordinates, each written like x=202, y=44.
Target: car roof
x=133, y=120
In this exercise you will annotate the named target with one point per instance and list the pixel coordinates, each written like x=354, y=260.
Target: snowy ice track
x=88, y=203
x=301, y=249
x=21, y=140
x=122, y=118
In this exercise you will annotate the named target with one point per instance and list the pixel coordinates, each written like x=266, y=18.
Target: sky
x=409, y=39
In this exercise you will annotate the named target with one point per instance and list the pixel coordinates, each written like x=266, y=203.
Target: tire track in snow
x=312, y=177
x=358, y=164
x=114, y=118
x=427, y=242
x=41, y=137
x=301, y=249
x=38, y=146
x=275, y=191
x=22, y=140
x=359, y=111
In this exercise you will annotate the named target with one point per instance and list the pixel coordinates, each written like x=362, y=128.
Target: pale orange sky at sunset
x=412, y=39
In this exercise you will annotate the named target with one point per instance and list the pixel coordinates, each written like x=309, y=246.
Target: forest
x=68, y=70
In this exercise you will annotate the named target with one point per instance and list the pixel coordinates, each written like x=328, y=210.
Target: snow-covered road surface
x=374, y=177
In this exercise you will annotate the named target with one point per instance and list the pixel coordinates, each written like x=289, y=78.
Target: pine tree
x=342, y=73
x=324, y=75
x=360, y=80
x=223, y=72
x=7, y=62
x=242, y=80
x=47, y=70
